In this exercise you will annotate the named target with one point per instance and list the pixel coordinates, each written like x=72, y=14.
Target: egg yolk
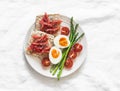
x=55, y=53
x=63, y=41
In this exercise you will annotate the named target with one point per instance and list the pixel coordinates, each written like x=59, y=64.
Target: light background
x=100, y=20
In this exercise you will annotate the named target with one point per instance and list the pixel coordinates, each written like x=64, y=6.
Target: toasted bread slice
x=50, y=16
x=39, y=33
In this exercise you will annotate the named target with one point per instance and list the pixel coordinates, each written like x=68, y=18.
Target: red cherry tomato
x=68, y=63
x=72, y=54
x=65, y=30
x=78, y=47
x=46, y=62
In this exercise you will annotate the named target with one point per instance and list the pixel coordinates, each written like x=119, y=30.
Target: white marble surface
x=100, y=19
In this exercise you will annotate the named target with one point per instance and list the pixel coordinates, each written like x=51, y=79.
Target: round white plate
x=35, y=62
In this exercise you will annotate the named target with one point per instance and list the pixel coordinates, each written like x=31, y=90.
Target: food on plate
x=39, y=43
x=73, y=37
x=69, y=63
x=58, y=41
x=46, y=62
x=55, y=55
x=61, y=41
x=65, y=30
x=77, y=47
x=48, y=23
x=72, y=54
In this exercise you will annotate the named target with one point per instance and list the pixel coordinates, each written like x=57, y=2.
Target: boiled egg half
x=55, y=55
x=61, y=41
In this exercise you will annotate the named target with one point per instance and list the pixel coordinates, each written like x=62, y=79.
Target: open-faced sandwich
x=56, y=43
x=39, y=43
x=48, y=23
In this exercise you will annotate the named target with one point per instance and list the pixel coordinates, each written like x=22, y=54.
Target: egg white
x=57, y=38
x=55, y=60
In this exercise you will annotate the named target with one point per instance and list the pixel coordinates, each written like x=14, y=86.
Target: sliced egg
x=55, y=55
x=62, y=41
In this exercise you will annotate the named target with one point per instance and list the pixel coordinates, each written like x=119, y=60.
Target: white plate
x=35, y=63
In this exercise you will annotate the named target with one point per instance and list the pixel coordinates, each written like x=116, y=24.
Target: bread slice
x=39, y=33
x=50, y=16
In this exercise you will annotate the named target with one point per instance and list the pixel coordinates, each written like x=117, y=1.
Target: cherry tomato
x=68, y=63
x=65, y=30
x=77, y=47
x=72, y=54
x=46, y=62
